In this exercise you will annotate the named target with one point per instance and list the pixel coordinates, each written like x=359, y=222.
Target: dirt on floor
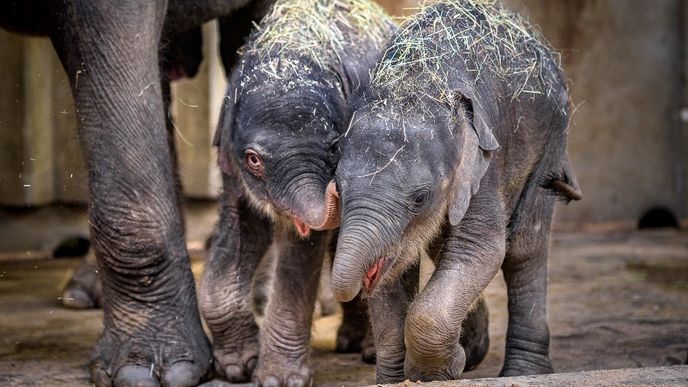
x=616, y=300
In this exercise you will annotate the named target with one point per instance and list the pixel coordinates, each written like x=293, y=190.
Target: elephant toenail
x=135, y=376
x=182, y=374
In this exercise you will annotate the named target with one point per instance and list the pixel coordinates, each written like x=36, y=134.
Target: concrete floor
x=616, y=300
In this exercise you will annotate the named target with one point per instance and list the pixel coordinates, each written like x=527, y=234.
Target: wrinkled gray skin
x=275, y=211
x=477, y=177
x=179, y=58
x=152, y=332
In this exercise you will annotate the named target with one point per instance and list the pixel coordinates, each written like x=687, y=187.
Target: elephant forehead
x=401, y=165
x=382, y=120
x=297, y=116
x=405, y=164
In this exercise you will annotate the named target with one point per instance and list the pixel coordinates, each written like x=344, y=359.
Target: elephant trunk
x=319, y=213
x=359, y=261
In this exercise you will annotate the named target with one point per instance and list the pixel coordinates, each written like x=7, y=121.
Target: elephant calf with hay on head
x=459, y=143
x=285, y=109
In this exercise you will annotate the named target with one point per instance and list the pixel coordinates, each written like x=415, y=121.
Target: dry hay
x=296, y=34
x=491, y=41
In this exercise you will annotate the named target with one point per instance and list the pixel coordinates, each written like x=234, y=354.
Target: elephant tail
x=563, y=183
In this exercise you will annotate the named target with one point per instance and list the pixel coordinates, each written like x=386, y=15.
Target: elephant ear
x=222, y=139
x=225, y=123
x=344, y=78
x=476, y=144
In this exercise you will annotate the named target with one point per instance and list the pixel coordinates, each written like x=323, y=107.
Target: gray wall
x=624, y=60
x=40, y=157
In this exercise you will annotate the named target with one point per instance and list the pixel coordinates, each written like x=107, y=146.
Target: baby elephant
x=457, y=143
x=286, y=106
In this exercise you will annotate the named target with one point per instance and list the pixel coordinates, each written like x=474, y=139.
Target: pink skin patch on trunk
x=331, y=217
x=372, y=277
x=301, y=227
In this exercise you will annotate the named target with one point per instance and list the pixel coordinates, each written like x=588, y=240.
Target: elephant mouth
x=301, y=227
x=374, y=274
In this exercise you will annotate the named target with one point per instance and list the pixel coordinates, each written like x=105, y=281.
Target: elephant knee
x=430, y=337
x=131, y=233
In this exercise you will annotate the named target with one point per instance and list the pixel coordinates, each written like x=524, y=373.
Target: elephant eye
x=254, y=162
x=419, y=198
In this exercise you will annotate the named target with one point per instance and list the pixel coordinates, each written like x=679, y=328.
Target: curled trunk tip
x=331, y=215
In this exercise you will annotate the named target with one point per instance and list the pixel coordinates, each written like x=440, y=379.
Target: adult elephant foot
x=150, y=346
x=530, y=365
x=84, y=289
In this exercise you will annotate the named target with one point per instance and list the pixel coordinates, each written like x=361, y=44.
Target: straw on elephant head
x=490, y=40
x=319, y=30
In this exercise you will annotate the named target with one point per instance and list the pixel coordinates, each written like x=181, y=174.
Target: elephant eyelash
x=414, y=205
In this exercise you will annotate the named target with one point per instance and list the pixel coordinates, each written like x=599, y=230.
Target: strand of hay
x=491, y=41
x=321, y=31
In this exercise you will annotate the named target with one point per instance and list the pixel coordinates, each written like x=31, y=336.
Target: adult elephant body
x=111, y=52
x=458, y=140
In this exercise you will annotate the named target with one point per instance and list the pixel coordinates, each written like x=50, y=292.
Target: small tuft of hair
x=561, y=185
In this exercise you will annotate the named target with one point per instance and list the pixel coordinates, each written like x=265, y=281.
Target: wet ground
x=616, y=300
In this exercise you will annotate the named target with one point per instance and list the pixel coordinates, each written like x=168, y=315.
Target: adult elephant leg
x=470, y=257
x=387, y=314
x=235, y=27
x=240, y=240
x=525, y=273
x=151, y=329
x=84, y=288
x=285, y=334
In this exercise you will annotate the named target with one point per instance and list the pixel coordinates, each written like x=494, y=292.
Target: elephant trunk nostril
x=330, y=216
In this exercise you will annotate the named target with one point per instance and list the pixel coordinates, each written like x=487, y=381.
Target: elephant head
x=277, y=138
x=402, y=175
x=286, y=105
